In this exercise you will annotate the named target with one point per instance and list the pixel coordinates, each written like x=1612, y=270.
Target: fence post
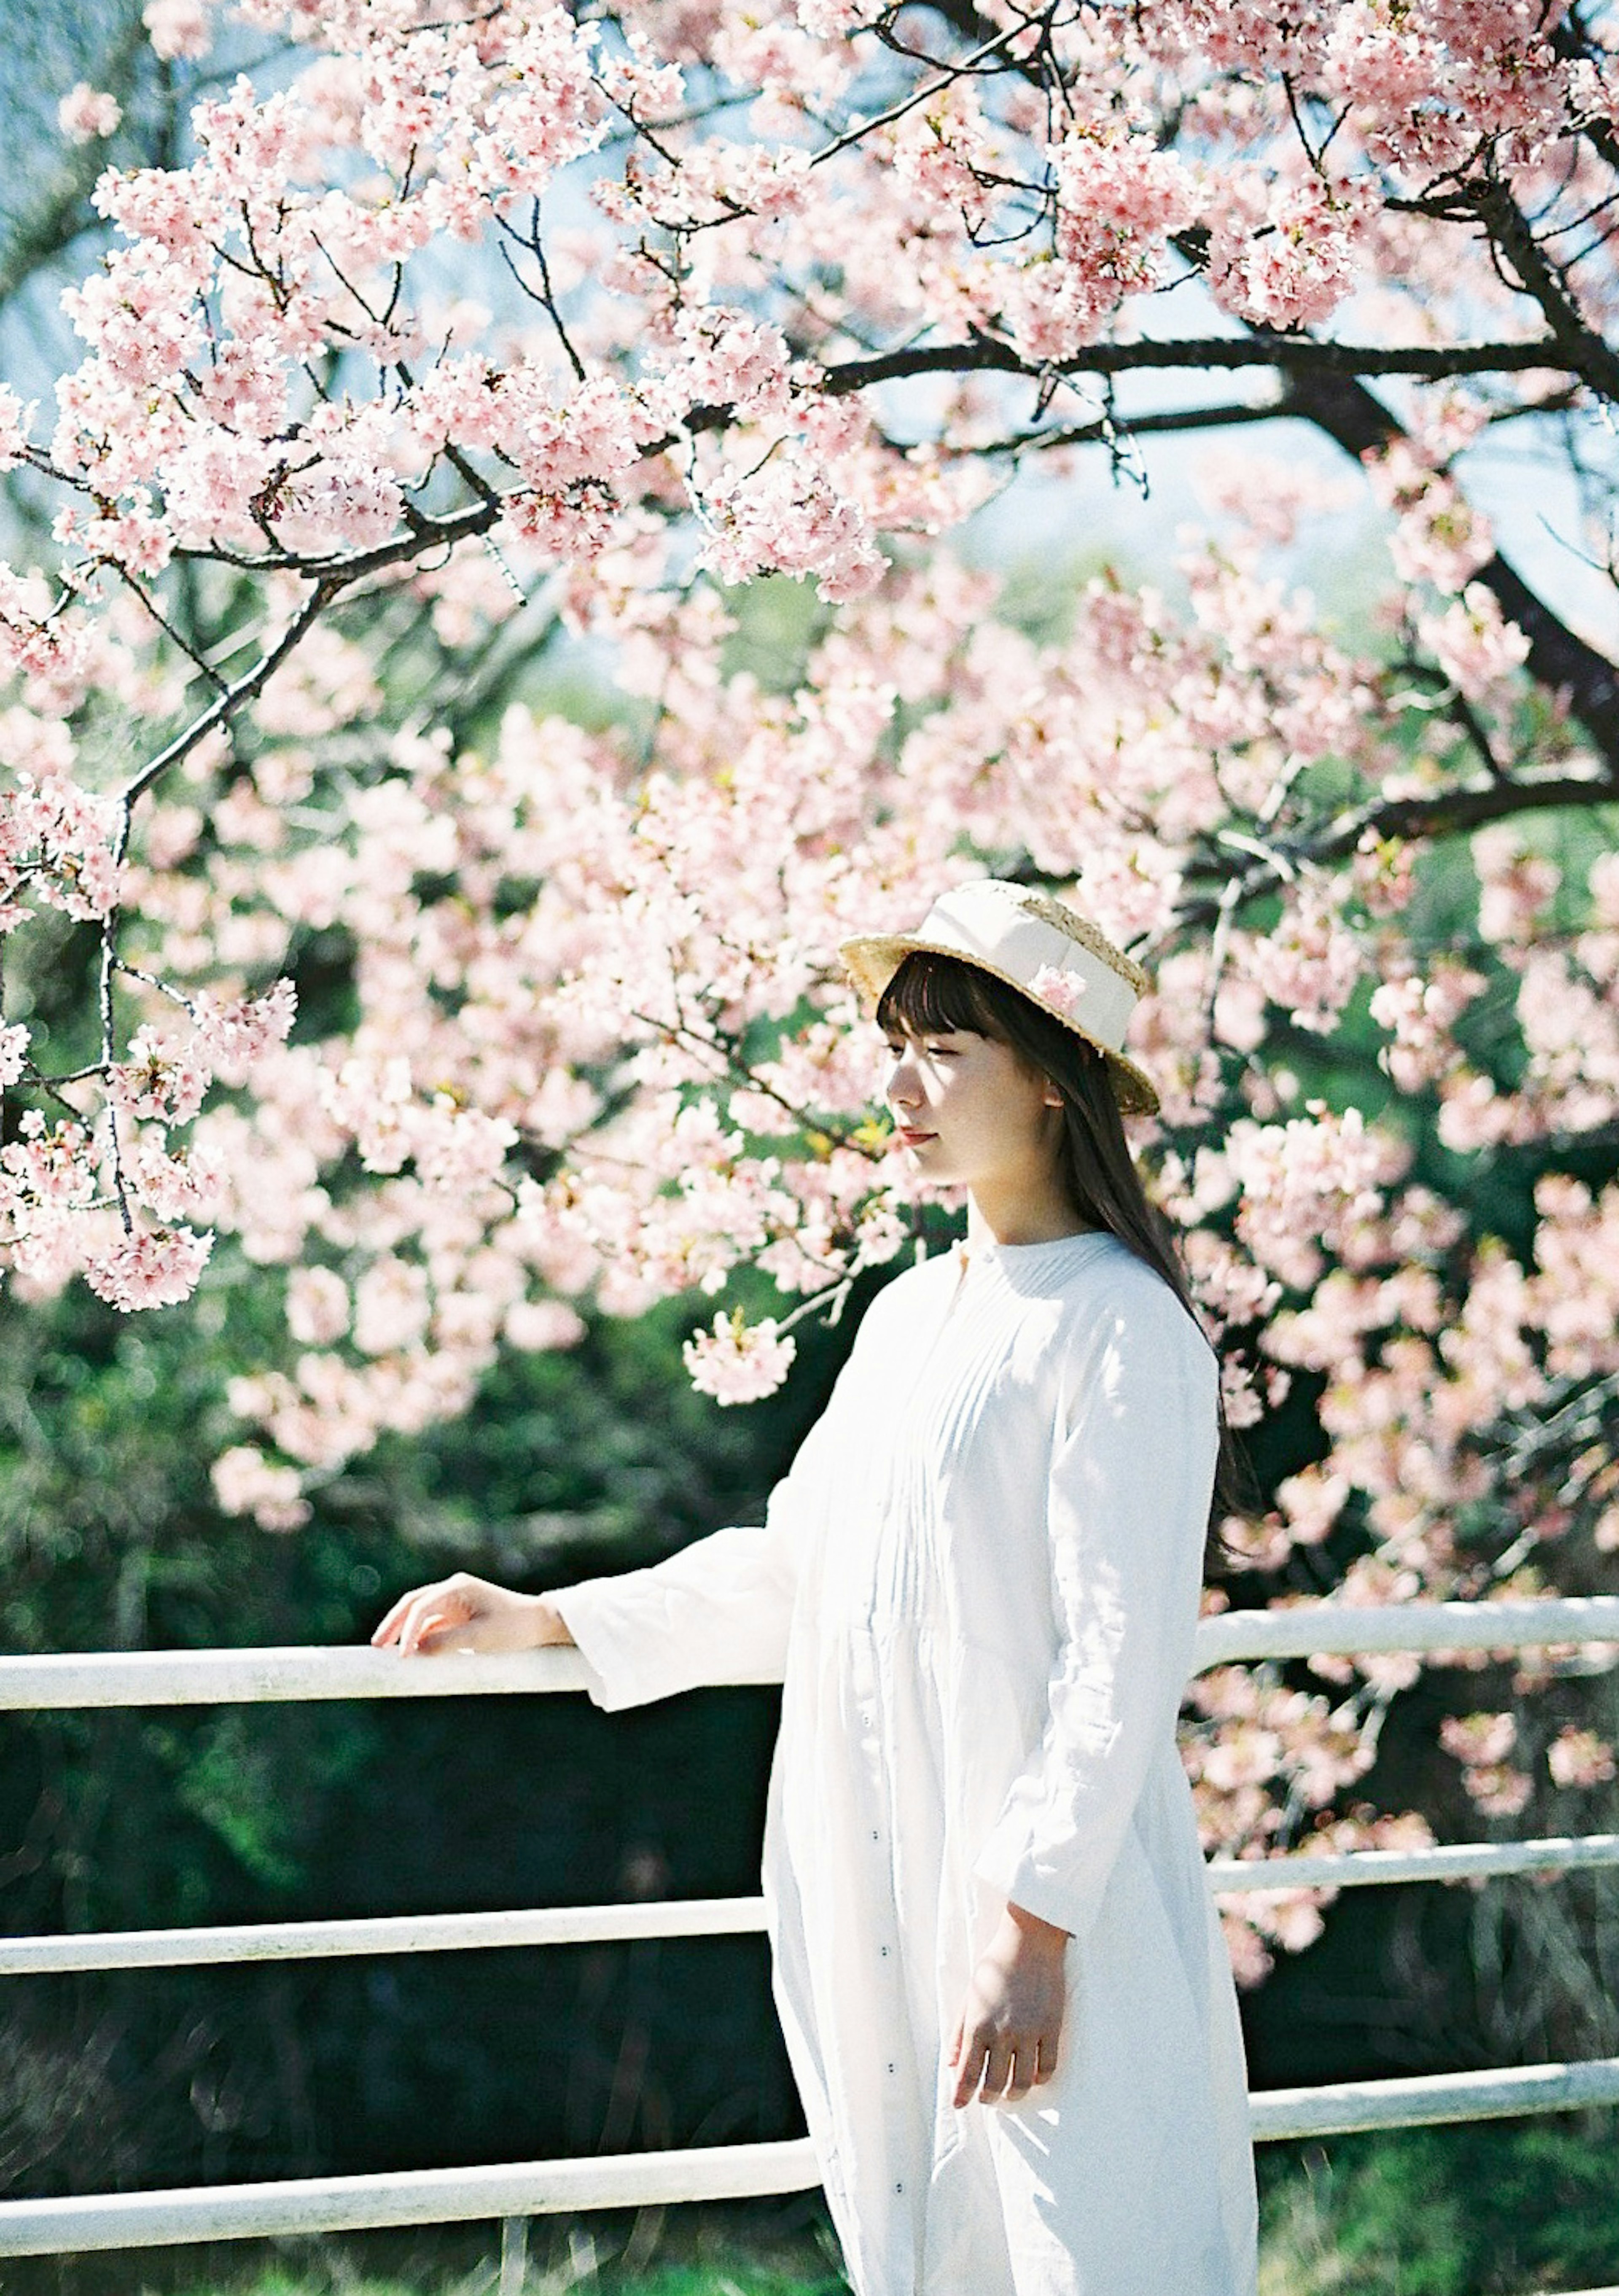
x=514, y=2255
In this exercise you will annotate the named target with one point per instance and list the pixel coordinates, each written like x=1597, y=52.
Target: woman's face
x=970, y=1112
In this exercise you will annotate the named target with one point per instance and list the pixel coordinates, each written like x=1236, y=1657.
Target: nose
x=903, y=1088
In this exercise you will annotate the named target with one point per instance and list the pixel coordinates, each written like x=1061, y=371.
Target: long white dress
x=978, y=1583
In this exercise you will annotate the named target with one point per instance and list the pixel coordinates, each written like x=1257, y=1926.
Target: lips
x=911, y=1139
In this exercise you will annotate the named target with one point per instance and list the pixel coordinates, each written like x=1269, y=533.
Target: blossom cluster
x=719, y=223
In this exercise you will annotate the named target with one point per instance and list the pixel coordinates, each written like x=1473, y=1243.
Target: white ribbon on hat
x=981, y=920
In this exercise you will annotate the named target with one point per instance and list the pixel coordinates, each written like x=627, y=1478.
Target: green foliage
x=738, y=2280
x=1040, y=593
x=778, y=624
x=736, y=2276
x=1491, y=2208
x=759, y=2248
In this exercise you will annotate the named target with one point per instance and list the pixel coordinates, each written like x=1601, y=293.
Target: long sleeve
x=718, y=1612
x=1127, y=1513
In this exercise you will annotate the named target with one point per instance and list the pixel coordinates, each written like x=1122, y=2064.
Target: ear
x=1051, y=1097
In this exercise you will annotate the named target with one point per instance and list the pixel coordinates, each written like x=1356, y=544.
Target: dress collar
x=1021, y=1260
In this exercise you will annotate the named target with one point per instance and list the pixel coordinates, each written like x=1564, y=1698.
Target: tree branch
x=1102, y=433
x=1292, y=355
x=1448, y=813
x=1583, y=350
x=220, y=711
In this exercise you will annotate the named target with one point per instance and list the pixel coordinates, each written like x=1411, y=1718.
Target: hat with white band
x=1059, y=961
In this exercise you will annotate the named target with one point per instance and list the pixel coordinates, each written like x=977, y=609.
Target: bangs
x=935, y=996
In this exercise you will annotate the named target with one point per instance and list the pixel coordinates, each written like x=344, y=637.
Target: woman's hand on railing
x=465, y=1614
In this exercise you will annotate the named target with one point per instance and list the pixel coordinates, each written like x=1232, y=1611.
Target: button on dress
x=978, y=1585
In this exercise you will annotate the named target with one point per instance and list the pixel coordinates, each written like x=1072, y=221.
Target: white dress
x=978, y=1583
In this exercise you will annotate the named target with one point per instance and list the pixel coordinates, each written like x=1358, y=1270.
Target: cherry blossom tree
x=441, y=339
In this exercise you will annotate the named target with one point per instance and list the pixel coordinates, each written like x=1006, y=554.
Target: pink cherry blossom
x=318, y=1306
x=245, y=1482
x=1498, y=1788
x=536, y=1325
x=1438, y=536
x=1473, y=644
x=152, y=1267
x=1309, y=964
x=87, y=114
x=15, y=420
x=177, y=28
x=227, y=1039
x=159, y=1083
x=1062, y=991
x=1478, y=1740
x=737, y=1362
x=1284, y=254
x=1580, y=1757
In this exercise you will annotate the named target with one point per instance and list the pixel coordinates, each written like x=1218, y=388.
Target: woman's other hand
x=465, y=1614
x=1007, y=2037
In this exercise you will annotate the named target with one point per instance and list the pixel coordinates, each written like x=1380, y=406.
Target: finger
x=440, y=1631
x=954, y=2056
x=1045, y=2058
x=970, y=2074
x=429, y=1622
x=390, y=1626
x=408, y=1613
x=1019, y=2079
x=418, y=1608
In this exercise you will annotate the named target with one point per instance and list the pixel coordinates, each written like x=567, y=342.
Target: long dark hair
x=932, y=995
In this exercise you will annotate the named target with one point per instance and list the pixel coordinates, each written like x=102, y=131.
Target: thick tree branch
x=1289, y=353
x=1582, y=348
x=1447, y=813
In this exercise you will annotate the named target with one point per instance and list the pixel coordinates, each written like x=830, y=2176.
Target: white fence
x=519, y=2190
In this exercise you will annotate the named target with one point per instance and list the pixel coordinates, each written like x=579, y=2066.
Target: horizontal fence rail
x=1451, y=1861
x=102, y=1678
x=96, y=1679
x=328, y=2204
x=664, y=1917
x=417, y=2196
x=1354, y=1630
x=685, y=1918
x=1425, y=2100
x=258, y=1677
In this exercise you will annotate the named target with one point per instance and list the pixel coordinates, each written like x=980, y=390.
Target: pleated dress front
x=978, y=1585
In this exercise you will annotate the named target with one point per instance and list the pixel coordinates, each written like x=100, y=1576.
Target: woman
x=998, y=1967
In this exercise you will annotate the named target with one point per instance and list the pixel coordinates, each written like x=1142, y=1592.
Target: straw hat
x=1058, y=960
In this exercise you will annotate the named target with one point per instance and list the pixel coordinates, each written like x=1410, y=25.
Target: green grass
x=1488, y=2209
x=707, y=2250
x=735, y=2279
